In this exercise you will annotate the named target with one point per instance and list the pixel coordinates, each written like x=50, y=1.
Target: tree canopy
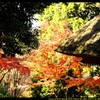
x=15, y=25
x=15, y=21
x=77, y=13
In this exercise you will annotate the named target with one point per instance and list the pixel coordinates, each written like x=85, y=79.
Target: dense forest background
x=29, y=65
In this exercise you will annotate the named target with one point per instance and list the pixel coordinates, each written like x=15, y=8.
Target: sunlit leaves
x=9, y=63
x=55, y=12
x=50, y=65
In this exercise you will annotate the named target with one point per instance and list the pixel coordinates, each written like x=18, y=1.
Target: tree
x=77, y=13
x=67, y=74
x=15, y=24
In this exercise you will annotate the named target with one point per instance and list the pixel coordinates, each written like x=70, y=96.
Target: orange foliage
x=53, y=71
x=52, y=65
x=90, y=82
x=93, y=81
x=48, y=63
x=74, y=81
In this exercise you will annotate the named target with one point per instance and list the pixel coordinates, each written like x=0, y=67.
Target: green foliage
x=77, y=13
x=45, y=92
x=41, y=92
x=96, y=70
x=59, y=89
x=15, y=26
x=4, y=92
x=92, y=93
x=76, y=22
x=55, y=12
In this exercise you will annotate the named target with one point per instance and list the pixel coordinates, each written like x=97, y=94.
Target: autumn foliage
x=12, y=75
x=46, y=72
x=48, y=66
x=57, y=66
x=8, y=63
